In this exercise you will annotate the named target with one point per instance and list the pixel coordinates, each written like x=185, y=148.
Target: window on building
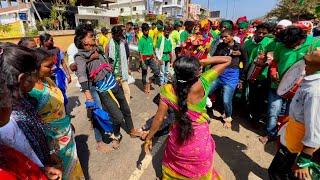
x=179, y=2
x=121, y=10
x=134, y=8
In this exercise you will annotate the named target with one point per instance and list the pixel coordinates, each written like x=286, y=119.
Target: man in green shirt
x=187, y=32
x=164, y=47
x=145, y=48
x=295, y=45
x=258, y=89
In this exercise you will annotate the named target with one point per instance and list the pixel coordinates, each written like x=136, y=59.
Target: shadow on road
x=73, y=101
x=157, y=157
x=83, y=153
x=138, y=83
x=231, y=152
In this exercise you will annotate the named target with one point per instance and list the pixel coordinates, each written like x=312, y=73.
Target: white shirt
x=12, y=136
x=305, y=108
x=72, y=50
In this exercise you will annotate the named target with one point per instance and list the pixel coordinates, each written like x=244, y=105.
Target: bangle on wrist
x=304, y=160
x=148, y=141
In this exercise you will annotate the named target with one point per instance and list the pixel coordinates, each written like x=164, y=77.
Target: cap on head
x=284, y=23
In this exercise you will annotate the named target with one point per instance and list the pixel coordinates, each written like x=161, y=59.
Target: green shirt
x=184, y=36
x=175, y=38
x=116, y=63
x=145, y=46
x=286, y=57
x=253, y=49
x=272, y=45
x=167, y=48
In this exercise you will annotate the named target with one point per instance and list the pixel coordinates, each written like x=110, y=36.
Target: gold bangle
x=148, y=142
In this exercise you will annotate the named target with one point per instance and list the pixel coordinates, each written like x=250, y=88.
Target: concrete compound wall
x=62, y=39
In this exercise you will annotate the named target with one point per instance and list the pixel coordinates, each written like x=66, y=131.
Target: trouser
x=155, y=70
x=164, y=72
x=96, y=127
x=280, y=167
x=228, y=92
x=117, y=114
x=258, y=96
x=276, y=106
x=126, y=90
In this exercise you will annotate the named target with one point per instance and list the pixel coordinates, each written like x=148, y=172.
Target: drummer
x=258, y=89
x=295, y=45
x=300, y=136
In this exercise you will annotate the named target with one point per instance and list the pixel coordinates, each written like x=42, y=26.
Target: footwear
x=209, y=103
x=104, y=148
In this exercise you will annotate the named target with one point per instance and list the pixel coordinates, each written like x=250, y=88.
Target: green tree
x=295, y=9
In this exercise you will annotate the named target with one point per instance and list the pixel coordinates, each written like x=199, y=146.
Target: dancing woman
x=189, y=148
x=51, y=109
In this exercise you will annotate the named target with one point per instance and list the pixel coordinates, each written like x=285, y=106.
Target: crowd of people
x=195, y=64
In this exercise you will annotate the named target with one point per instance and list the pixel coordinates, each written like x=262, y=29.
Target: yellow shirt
x=153, y=34
x=103, y=40
x=140, y=34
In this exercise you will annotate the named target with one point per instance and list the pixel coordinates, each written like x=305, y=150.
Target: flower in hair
x=181, y=81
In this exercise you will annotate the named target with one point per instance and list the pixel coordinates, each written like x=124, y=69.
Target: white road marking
x=136, y=174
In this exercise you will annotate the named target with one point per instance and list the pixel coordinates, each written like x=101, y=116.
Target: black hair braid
x=184, y=121
x=186, y=74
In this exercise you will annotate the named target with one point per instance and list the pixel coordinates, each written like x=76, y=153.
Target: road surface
x=239, y=154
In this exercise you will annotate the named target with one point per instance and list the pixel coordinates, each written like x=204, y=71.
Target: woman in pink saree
x=189, y=149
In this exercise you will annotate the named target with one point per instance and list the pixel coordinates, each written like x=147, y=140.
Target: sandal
x=104, y=148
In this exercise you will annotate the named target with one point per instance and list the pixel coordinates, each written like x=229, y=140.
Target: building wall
x=124, y=7
x=138, y=7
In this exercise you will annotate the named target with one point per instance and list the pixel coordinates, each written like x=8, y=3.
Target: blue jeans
x=228, y=92
x=164, y=72
x=96, y=127
x=276, y=106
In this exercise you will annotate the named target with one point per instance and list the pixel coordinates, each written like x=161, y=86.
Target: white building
x=174, y=8
x=97, y=16
x=137, y=9
x=16, y=12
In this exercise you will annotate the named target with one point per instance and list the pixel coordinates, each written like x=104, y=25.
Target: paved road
x=239, y=155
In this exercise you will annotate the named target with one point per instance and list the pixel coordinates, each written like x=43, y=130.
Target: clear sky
x=231, y=9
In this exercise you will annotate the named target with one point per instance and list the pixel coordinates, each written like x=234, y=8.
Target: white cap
x=285, y=23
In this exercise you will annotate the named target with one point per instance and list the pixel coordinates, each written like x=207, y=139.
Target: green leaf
x=301, y=2
x=318, y=9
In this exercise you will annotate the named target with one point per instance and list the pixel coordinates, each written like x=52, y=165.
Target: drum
x=254, y=70
x=291, y=80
